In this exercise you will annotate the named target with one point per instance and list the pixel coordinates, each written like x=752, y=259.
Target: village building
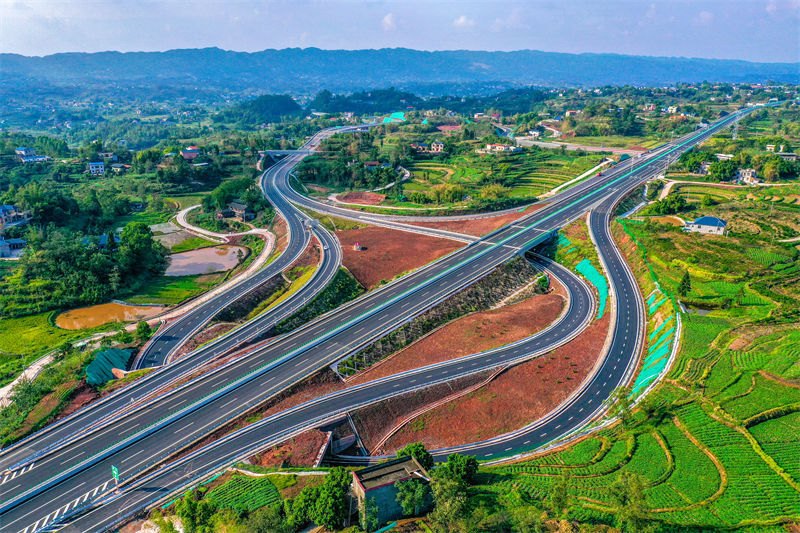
x=11, y=215
x=97, y=168
x=706, y=225
x=119, y=168
x=11, y=248
x=241, y=211
x=748, y=176
x=28, y=155
x=377, y=483
x=190, y=152
x=498, y=148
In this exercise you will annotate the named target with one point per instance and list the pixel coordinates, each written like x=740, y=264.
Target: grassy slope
x=24, y=339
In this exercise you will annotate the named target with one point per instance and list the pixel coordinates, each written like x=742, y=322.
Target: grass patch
x=24, y=339
x=174, y=290
x=191, y=243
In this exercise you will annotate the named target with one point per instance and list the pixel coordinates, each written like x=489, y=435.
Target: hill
x=306, y=71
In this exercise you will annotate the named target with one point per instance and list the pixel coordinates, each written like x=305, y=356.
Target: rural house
x=97, y=168
x=707, y=225
x=377, y=483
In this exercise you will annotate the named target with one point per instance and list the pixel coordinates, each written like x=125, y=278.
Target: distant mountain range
x=306, y=71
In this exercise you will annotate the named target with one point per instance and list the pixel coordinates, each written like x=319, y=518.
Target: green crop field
x=715, y=445
x=529, y=174
x=245, y=493
x=173, y=290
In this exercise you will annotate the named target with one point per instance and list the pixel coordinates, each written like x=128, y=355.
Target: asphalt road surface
x=49, y=492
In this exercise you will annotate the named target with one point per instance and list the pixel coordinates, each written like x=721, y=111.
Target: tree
x=627, y=493
x=417, y=451
x=722, y=170
x=301, y=509
x=143, y=331
x=194, y=514
x=369, y=515
x=450, y=502
x=620, y=404
x=685, y=285
x=413, y=496
x=559, y=496
x=461, y=468
x=268, y=520
x=140, y=254
x=330, y=509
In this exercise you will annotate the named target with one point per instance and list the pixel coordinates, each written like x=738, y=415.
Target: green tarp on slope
x=99, y=370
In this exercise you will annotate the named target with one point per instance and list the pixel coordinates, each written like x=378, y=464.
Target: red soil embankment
x=479, y=226
x=363, y=198
x=515, y=398
x=472, y=334
x=301, y=450
x=387, y=253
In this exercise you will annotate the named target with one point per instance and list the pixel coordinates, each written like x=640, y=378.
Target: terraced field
x=715, y=444
x=530, y=174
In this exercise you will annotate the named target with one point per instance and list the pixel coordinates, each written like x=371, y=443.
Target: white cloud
x=704, y=18
x=463, y=22
x=389, y=22
x=772, y=7
x=514, y=21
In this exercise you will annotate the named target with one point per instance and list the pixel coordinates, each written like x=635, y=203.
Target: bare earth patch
x=479, y=226
x=515, y=398
x=301, y=450
x=387, y=253
x=472, y=334
x=363, y=198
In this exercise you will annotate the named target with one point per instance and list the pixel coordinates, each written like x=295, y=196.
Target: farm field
x=714, y=445
x=616, y=141
x=527, y=175
x=24, y=339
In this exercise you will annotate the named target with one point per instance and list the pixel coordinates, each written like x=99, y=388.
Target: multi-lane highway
x=47, y=489
x=302, y=229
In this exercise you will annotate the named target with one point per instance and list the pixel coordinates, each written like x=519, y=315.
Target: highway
x=311, y=347
x=57, y=434
x=331, y=407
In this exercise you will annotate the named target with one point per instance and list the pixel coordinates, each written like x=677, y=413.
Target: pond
x=205, y=260
x=97, y=315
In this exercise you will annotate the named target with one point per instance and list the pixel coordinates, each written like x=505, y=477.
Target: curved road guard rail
x=522, y=239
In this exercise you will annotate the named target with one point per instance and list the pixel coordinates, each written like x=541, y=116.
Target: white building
x=706, y=225
x=97, y=168
x=748, y=176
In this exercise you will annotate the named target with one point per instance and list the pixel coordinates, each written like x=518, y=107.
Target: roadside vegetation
x=709, y=447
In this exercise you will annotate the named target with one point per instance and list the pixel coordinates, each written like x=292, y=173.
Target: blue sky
x=757, y=30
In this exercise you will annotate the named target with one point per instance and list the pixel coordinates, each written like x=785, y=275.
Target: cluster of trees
x=241, y=189
x=43, y=144
x=443, y=193
x=179, y=173
x=263, y=109
x=445, y=499
x=616, y=122
x=672, y=204
x=62, y=268
x=769, y=166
